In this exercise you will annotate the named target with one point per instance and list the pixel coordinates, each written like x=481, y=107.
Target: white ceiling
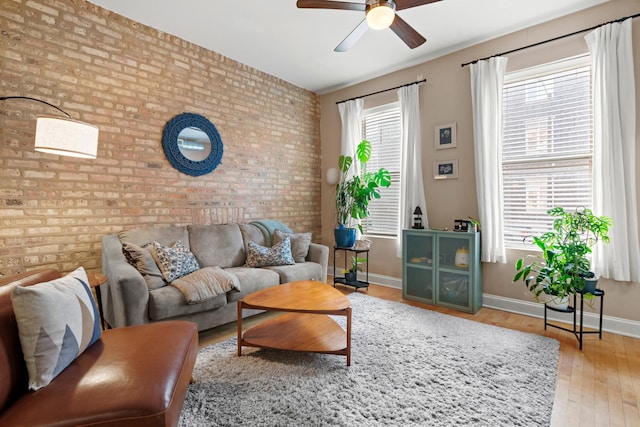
x=296, y=45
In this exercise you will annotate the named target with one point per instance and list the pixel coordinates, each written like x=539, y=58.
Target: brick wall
x=129, y=80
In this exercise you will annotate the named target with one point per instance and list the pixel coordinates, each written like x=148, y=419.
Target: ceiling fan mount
x=379, y=14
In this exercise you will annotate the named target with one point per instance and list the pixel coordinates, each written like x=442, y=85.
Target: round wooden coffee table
x=306, y=326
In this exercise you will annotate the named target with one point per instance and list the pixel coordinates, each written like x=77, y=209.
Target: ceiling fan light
x=380, y=14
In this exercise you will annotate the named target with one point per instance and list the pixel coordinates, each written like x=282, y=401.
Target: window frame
x=565, y=158
x=394, y=189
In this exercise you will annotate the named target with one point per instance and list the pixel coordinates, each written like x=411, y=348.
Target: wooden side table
x=95, y=280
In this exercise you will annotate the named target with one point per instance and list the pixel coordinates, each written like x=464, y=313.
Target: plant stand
x=341, y=279
x=577, y=332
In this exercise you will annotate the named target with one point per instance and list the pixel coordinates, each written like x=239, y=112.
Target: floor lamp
x=63, y=136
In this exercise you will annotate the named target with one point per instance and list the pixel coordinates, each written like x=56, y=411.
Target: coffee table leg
x=239, y=327
x=349, y=336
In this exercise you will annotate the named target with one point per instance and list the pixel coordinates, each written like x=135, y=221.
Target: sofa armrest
x=125, y=295
x=320, y=254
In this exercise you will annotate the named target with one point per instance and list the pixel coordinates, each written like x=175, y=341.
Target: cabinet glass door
x=419, y=283
x=453, y=289
x=453, y=273
x=418, y=275
x=419, y=249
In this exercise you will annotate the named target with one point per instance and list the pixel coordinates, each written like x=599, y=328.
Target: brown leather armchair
x=135, y=375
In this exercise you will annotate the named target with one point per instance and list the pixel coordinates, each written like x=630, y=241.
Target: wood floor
x=598, y=386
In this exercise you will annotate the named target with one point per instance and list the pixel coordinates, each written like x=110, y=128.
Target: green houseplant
x=355, y=191
x=564, y=265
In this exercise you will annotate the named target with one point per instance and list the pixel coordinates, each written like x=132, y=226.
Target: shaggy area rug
x=409, y=367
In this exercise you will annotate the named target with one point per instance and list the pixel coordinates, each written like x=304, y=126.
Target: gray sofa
x=128, y=300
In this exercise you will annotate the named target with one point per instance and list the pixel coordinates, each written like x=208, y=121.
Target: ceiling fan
x=379, y=14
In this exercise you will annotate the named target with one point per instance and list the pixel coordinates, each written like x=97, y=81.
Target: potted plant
x=351, y=275
x=564, y=266
x=355, y=191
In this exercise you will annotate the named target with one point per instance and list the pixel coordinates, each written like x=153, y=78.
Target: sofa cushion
x=57, y=321
x=217, y=245
x=169, y=302
x=175, y=261
x=300, y=243
x=143, y=261
x=165, y=235
x=260, y=256
x=252, y=280
x=251, y=233
x=205, y=283
x=300, y=271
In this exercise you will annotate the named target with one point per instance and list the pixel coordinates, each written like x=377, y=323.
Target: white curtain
x=614, y=177
x=487, y=78
x=351, y=113
x=411, y=179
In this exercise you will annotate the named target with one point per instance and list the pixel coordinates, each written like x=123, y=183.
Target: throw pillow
x=173, y=262
x=57, y=321
x=300, y=243
x=279, y=254
x=143, y=261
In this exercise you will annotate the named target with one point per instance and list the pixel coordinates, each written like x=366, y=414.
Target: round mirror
x=192, y=144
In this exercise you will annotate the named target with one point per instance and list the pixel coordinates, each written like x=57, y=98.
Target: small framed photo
x=446, y=136
x=445, y=169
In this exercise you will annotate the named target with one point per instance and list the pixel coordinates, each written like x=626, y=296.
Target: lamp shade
x=66, y=137
x=381, y=14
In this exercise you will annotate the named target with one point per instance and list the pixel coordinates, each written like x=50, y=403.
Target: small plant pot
x=350, y=277
x=590, y=284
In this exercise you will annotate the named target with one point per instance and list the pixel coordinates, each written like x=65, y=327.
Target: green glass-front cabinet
x=442, y=268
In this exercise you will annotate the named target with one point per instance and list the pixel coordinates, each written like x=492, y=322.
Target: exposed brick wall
x=129, y=80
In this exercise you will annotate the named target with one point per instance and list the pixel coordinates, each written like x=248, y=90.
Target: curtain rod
x=551, y=40
x=382, y=91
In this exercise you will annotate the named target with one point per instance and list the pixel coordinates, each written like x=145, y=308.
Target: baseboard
x=616, y=325
x=388, y=281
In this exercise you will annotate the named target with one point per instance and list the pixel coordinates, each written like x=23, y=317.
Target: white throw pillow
x=57, y=321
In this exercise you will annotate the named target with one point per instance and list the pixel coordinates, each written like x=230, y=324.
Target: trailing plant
x=355, y=191
x=564, y=264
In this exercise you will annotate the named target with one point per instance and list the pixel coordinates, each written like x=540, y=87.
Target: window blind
x=547, y=149
x=381, y=127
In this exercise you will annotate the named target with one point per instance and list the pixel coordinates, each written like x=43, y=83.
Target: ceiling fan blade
x=406, y=4
x=407, y=33
x=353, y=37
x=328, y=4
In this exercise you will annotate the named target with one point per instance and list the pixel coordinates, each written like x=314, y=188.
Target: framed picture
x=445, y=169
x=446, y=136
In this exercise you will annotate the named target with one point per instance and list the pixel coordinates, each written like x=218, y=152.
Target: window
x=381, y=127
x=547, y=145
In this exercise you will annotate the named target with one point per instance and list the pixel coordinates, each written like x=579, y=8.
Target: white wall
x=446, y=98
